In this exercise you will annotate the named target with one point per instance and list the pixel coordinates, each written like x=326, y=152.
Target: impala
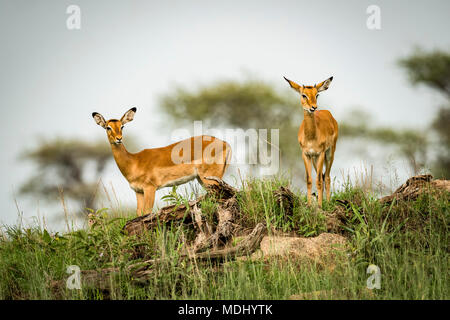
x=317, y=136
x=152, y=169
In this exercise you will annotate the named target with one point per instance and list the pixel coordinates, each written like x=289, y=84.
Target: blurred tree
x=410, y=144
x=62, y=166
x=432, y=69
x=248, y=104
x=429, y=68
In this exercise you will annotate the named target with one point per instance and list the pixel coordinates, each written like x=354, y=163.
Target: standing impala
x=317, y=136
x=151, y=169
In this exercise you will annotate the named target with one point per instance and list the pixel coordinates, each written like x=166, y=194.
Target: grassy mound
x=407, y=240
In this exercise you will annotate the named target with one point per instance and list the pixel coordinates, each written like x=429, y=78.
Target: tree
x=432, y=69
x=248, y=104
x=62, y=166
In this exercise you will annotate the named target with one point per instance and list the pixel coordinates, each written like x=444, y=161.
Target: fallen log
x=226, y=215
x=285, y=198
x=245, y=247
x=164, y=215
x=409, y=191
x=414, y=187
x=221, y=190
x=104, y=279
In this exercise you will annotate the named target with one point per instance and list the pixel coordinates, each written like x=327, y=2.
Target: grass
x=408, y=241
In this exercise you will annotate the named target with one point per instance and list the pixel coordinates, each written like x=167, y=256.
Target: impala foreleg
x=149, y=199
x=307, y=162
x=319, y=180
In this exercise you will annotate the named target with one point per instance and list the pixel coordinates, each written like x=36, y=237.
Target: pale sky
x=128, y=53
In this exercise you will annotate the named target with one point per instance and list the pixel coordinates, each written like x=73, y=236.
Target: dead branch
x=247, y=246
x=221, y=190
x=414, y=187
x=285, y=198
x=226, y=214
x=164, y=215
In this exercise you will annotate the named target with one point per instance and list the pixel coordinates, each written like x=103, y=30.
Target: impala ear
x=99, y=119
x=128, y=116
x=324, y=85
x=294, y=85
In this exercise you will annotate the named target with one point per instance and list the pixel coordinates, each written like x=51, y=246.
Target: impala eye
x=108, y=128
x=317, y=96
x=304, y=96
x=121, y=128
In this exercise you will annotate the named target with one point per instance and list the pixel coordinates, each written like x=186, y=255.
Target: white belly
x=179, y=181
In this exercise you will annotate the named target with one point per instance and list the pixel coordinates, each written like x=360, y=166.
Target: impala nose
x=118, y=139
x=313, y=108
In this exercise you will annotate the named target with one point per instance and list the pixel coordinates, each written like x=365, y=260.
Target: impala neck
x=310, y=125
x=123, y=158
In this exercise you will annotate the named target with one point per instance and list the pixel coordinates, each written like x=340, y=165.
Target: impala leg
x=213, y=170
x=319, y=180
x=149, y=199
x=307, y=161
x=140, y=203
x=328, y=164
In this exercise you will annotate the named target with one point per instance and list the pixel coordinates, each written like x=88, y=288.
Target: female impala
x=317, y=136
x=151, y=169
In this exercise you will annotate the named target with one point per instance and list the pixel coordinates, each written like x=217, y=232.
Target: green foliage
x=259, y=204
x=429, y=68
x=407, y=240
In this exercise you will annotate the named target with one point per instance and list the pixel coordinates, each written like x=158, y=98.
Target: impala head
x=114, y=127
x=309, y=94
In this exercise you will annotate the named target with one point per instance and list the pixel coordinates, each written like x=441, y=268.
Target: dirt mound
x=312, y=248
x=324, y=250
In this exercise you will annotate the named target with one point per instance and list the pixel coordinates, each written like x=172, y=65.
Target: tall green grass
x=407, y=240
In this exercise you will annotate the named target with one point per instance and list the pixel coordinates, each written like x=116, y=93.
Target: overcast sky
x=128, y=53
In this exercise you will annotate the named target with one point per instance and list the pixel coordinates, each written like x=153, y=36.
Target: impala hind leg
x=149, y=199
x=215, y=170
x=328, y=163
x=307, y=162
